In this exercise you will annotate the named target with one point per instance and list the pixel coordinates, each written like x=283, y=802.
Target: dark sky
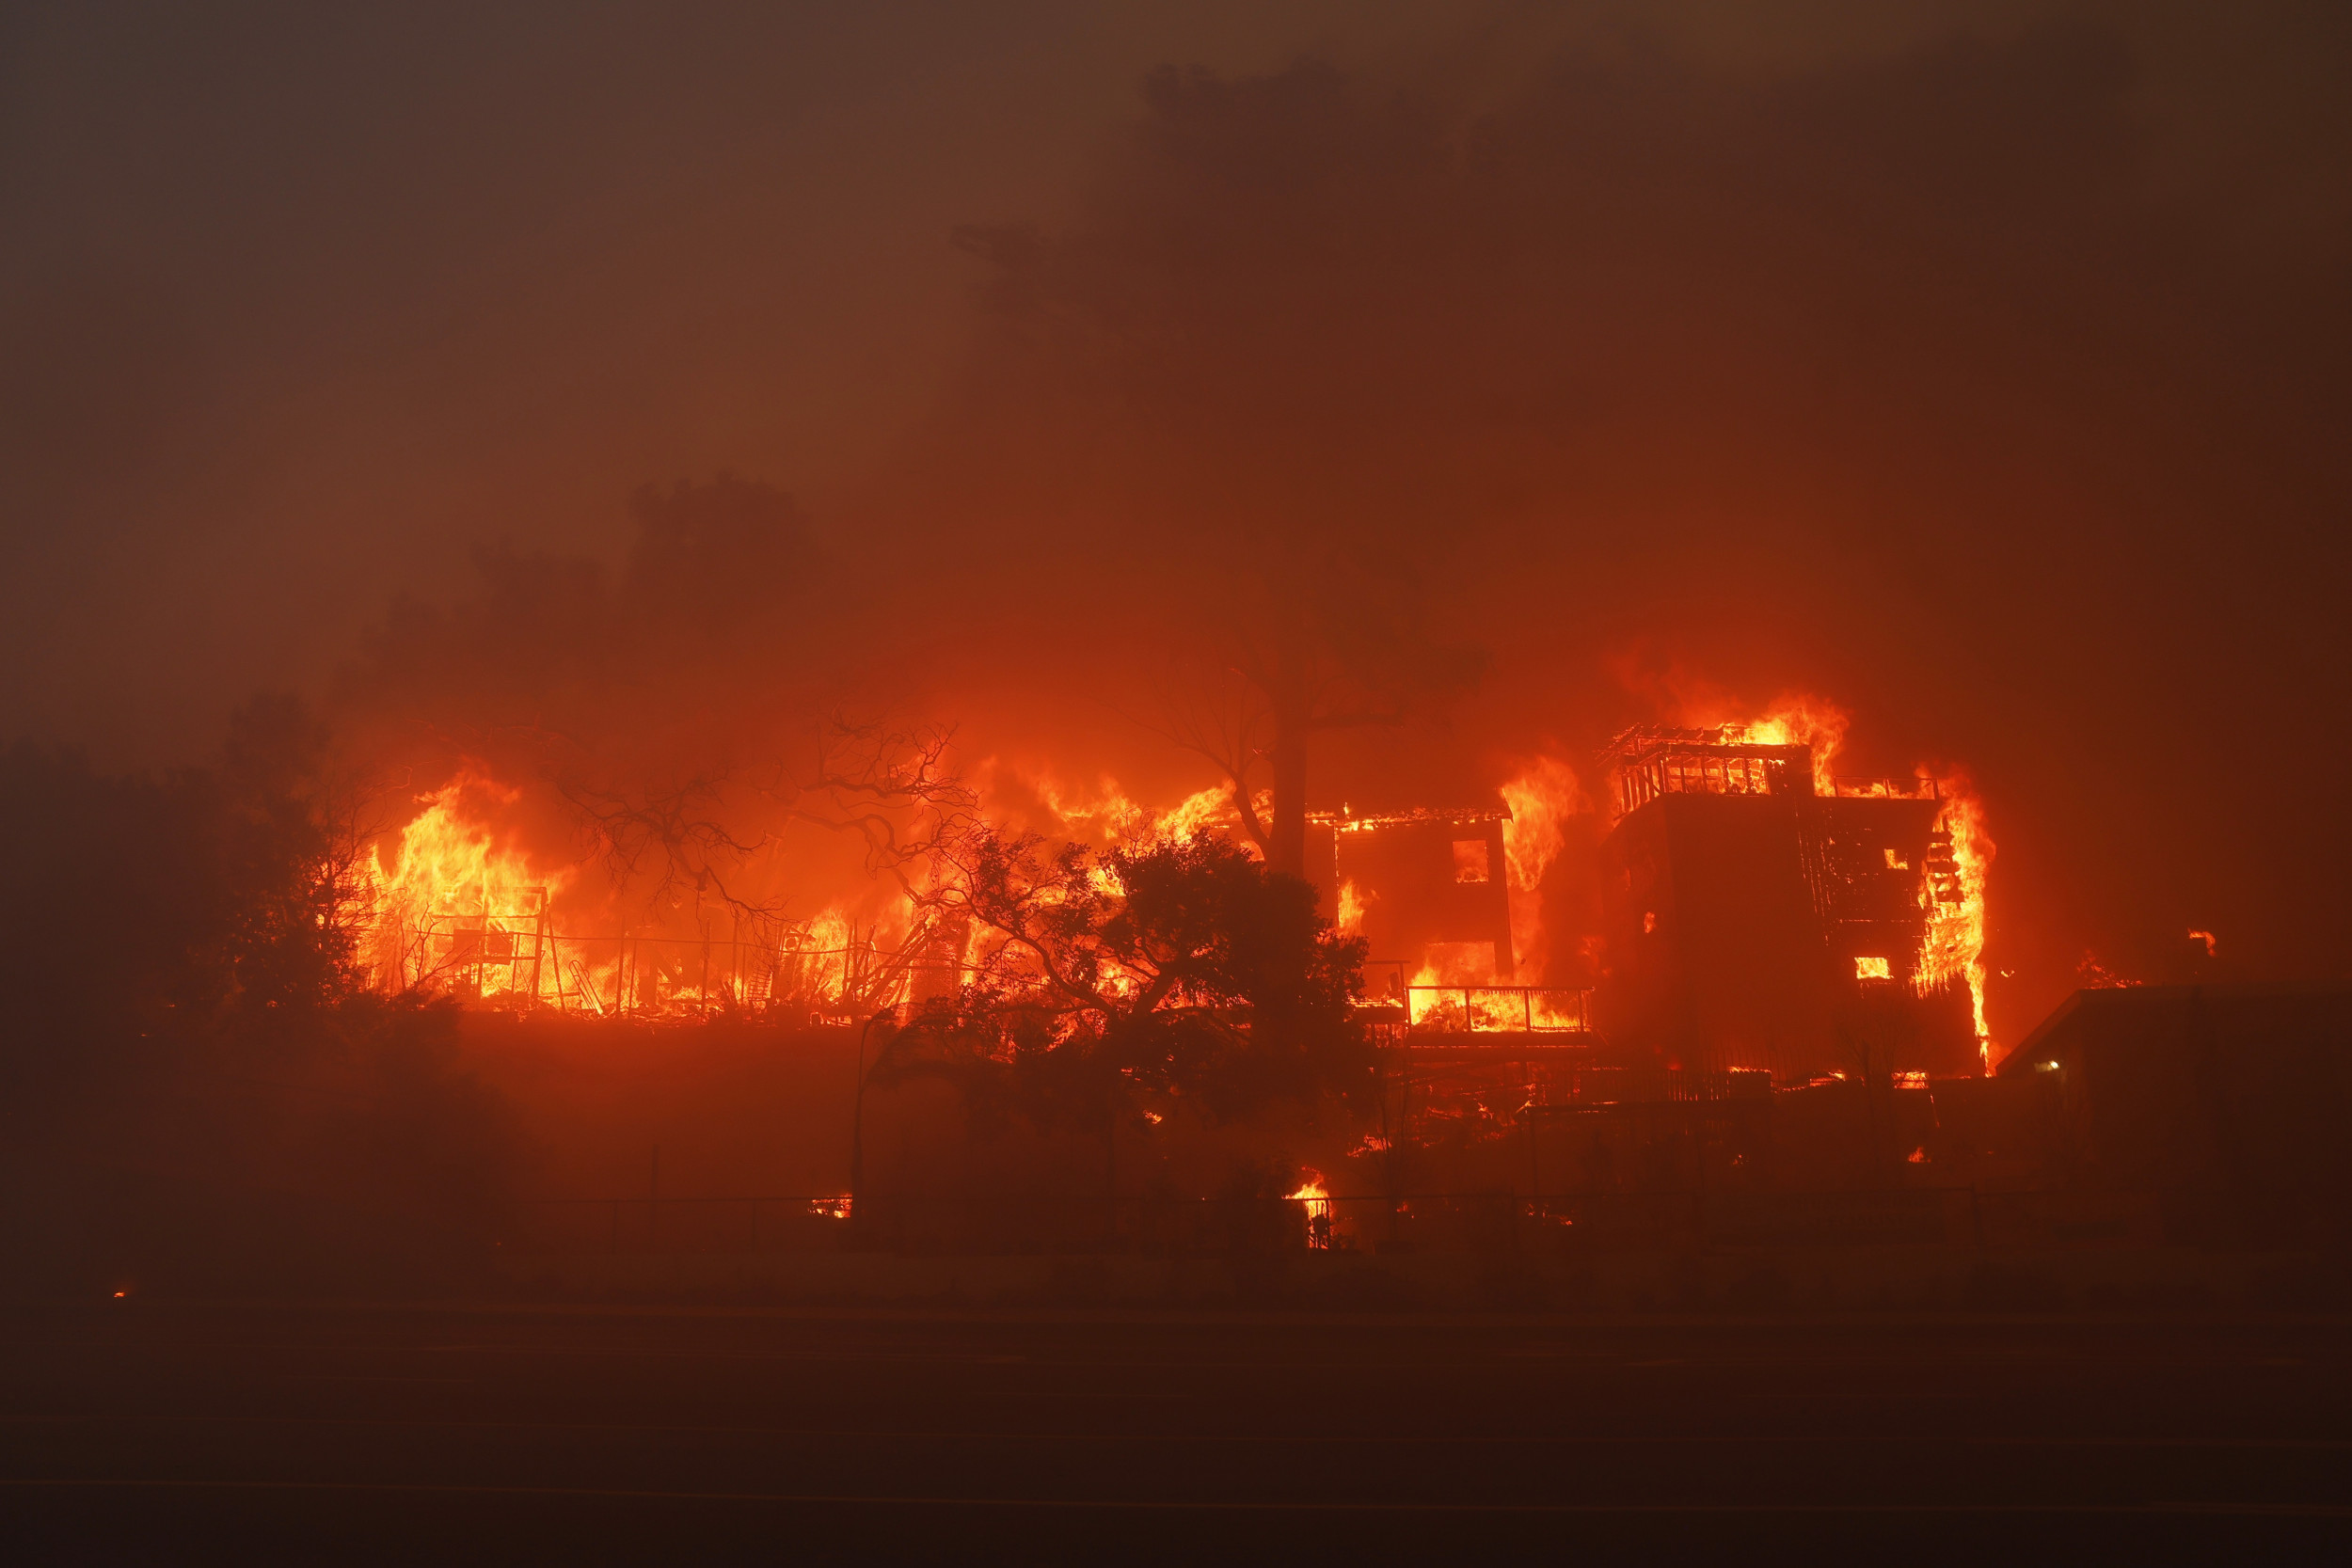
x=1980, y=366
x=300, y=303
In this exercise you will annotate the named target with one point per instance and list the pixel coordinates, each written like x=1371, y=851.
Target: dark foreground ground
x=155, y=1431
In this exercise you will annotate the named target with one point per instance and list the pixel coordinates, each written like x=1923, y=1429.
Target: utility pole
x=857, y=1119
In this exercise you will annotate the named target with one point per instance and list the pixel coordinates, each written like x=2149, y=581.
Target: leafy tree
x=1181, y=969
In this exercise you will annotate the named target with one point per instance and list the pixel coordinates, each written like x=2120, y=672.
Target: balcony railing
x=1489, y=1010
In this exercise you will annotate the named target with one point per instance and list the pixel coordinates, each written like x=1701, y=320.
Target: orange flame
x=1195, y=814
x=454, y=891
x=1954, y=947
x=1316, y=1199
x=1542, y=797
x=1112, y=816
x=1798, y=720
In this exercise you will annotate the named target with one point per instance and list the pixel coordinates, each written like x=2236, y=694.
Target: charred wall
x=1423, y=881
x=1776, y=931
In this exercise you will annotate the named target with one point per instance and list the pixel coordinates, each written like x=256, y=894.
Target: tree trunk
x=1288, y=850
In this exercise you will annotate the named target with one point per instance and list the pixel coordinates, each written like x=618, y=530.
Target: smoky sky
x=1980, y=366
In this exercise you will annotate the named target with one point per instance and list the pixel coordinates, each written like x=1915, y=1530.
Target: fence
x=521, y=960
x=1493, y=1222
x=526, y=964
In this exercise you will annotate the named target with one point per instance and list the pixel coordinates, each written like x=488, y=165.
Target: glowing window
x=1469, y=860
x=1649, y=921
x=1895, y=861
x=1873, y=969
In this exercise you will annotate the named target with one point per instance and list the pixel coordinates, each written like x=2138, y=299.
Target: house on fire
x=1753, y=922
x=1758, y=925
x=1424, y=888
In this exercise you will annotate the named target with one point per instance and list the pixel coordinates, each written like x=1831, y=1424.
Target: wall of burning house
x=1425, y=888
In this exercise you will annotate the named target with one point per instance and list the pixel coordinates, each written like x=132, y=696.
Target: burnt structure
x=1425, y=888
x=1756, y=923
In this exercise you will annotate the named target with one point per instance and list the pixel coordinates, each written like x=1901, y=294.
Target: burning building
x=1762, y=916
x=1424, y=888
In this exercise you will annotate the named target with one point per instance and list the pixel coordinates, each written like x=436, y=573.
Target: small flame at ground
x=1316, y=1199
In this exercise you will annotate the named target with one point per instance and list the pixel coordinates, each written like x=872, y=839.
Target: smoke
x=1981, y=377
x=1924, y=383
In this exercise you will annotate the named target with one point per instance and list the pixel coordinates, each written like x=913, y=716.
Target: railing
x=512, y=961
x=1920, y=788
x=1433, y=1009
x=1497, y=1009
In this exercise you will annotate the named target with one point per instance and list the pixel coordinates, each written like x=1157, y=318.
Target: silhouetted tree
x=1179, y=969
x=194, y=1093
x=1307, y=648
